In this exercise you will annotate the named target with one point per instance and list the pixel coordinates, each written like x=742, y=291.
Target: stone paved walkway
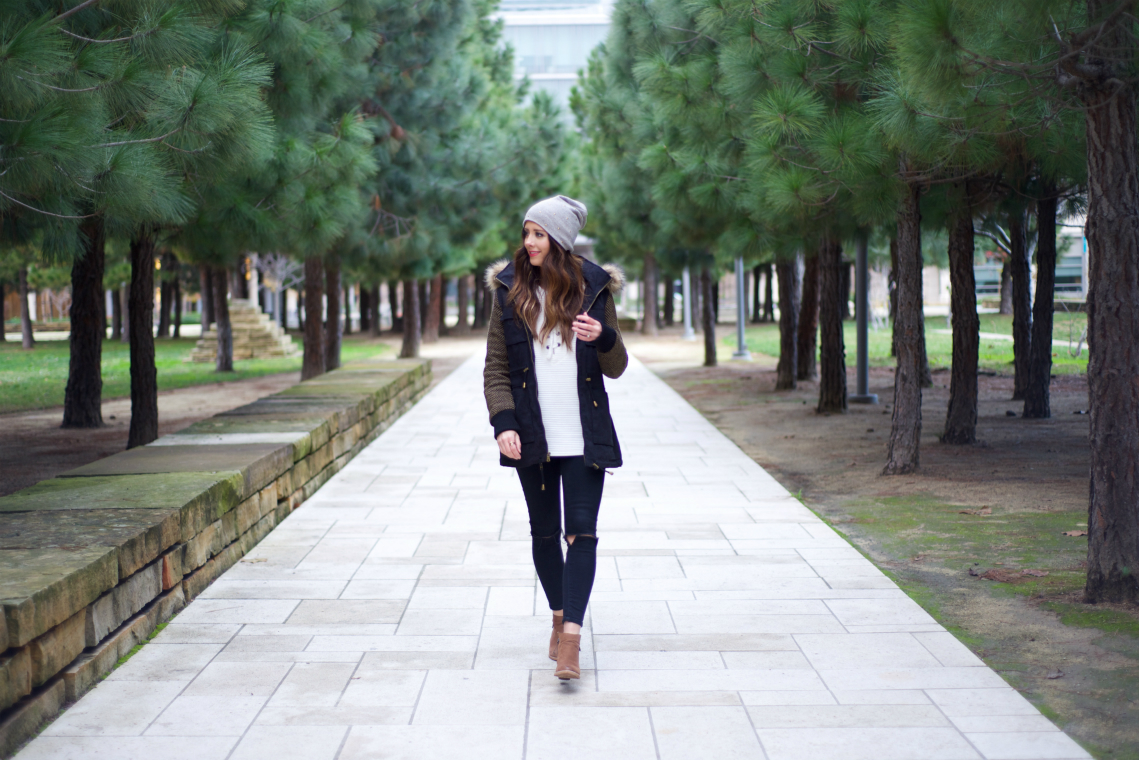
x=396, y=615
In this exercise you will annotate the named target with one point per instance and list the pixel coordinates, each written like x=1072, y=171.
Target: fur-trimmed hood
x=615, y=284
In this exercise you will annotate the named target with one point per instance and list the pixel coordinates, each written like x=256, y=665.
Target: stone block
x=284, y=483
x=259, y=463
x=99, y=619
x=146, y=547
x=26, y=718
x=228, y=532
x=45, y=587
x=248, y=512
x=54, y=650
x=15, y=676
x=171, y=569
x=91, y=666
x=139, y=534
x=174, y=490
x=198, y=550
x=268, y=499
x=136, y=592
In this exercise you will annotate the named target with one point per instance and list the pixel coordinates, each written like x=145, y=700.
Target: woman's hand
x=586, y=328
x=510, y=444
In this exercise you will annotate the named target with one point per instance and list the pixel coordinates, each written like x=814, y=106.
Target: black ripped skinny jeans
x=567, y=582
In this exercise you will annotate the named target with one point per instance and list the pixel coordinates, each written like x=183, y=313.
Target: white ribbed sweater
x=555, y=370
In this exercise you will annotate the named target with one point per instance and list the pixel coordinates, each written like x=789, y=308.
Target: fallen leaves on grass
x=1005, y=575
x=1075, y=533
x=982, y=512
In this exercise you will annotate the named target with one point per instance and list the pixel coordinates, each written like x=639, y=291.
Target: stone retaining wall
x=92, y=561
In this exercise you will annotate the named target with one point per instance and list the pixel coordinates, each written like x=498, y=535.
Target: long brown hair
x=560, y=276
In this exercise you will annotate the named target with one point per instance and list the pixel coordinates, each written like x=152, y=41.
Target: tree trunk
x=29, y=339
x=905, y=430
x=649, y=297
x=697, y=314
x=892, y=286
x=444, y=283
x=116, y=315
x=463, y=296
x=163, y=309
x=394, y=304
x=240, y=283
x=313, y=363
x=1037, y=398
x=207, y=294
x=424, y=305
x=768, y=293
x=347, y=310
x=832, y=375
x=1006, y=289
x=926, y=375
x=478, y=295
x=1021, y=302
x=125, y=300
x=961, y=419
x=715, y=300
x=332, y=329
x=140, y=323
x=1113, y=315
x=224, y=355
x=177, y=307
x=3, y=316
x=376, y=325
x=431, y=318
x=788, y=271
x=669, y=305
x=756, y=304
x=83, y=399
x=844, y=287
x=365, y=309
x=805, y=367
x=707, y=285
x=411, y=334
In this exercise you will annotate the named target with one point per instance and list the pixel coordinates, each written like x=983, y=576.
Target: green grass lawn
x=995, y=355
x=36, y=379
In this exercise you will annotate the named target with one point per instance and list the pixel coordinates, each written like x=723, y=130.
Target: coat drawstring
x=542, y=473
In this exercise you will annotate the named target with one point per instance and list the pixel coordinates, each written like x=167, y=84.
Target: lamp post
x=862, y=314
x=741, y=353
x=686, y=285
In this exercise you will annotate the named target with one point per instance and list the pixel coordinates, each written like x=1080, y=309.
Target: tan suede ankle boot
x=569, y=649
x=557, y=632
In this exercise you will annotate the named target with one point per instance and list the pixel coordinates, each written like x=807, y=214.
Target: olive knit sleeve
x=610, y=347
x=496, y=374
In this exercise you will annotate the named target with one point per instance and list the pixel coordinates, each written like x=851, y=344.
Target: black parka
x=512, y=390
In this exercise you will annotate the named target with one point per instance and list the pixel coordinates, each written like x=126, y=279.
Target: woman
x=552, y=335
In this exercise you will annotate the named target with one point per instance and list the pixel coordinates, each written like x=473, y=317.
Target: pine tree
x=1073, y=58
x=611, y=108
x=301, y=194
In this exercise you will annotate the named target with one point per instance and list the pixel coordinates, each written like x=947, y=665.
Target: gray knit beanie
x=561, y=217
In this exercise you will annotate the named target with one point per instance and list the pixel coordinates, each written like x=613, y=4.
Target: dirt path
x=1026, y=483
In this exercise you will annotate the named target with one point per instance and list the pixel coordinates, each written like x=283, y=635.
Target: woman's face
x=537, y=243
